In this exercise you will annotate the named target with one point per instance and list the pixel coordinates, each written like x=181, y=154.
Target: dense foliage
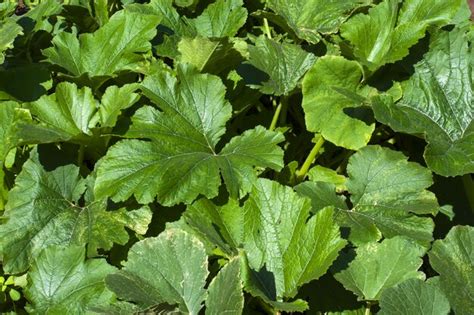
x=230, y=156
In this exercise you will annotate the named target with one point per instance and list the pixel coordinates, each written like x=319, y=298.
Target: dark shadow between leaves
x=251, y=74
x=25, y=83
x=265, y=281
x=51, y=156
x=362, y=113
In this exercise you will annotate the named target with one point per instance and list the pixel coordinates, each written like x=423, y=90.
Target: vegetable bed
x=236, y=157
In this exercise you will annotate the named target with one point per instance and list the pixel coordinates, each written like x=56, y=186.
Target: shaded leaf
x=209, y=55
x=309, y=18
x=9, y=30
x=438, y=103
x=453, y=259
x=225, y=294
x=284, y=64
x=414, y=296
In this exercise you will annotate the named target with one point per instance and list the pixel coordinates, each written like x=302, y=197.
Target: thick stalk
x=284, y=110
x=469, y=189
x=367, y=309
x=276, y=115
x=301, y=173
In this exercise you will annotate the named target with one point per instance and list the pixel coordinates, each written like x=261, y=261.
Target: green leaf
x=45, y=208
x=209, y=55
x=309, y=18
x=9, y=30
x=220, y=227
x=180, y=162
x=114, y=101
x=453, y=259
x=225, y=294
x=170, y=268
x=65, y=115
x=333, y=102
x=284, y=64
x=319, y=173
x=322, y=195
x=387, y=191
x=71, y=114
x=385, y=34
x=414, y=296
x=221, y=19
x=60, y=282
x=281, y=236
x=113, y=48
x=261, y=284
x=9, y=117
x=283, y=242
x=437, y=102
x=379, y=266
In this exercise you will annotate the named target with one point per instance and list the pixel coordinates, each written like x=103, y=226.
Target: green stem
x=267, y=28
x=367, y=309
x=284, y=111
x=301, y=173
x=275, y=115
x=469, y=189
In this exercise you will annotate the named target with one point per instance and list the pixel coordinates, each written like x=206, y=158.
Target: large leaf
x=60, y=282
x=71, y=114
x=333, y=102
x=65, y=115
x=9, y=117
x=9, y=30
x=453, y=259
x=438, y=102
x=113, y=48
x=385, y=34
x=414, y=296
x=283, y=243
x=180, y=162
x=281, y=236
x=284, y=64
x=221, y=18
x=378, y=266
x=225, y=291
x=386, y=191
x=44, y=208
x=170, y=268
x=309, y=18
x=114, y=101
x=209, y=55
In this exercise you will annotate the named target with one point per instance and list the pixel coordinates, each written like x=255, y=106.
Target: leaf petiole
x=276, y=115
x=301, y=173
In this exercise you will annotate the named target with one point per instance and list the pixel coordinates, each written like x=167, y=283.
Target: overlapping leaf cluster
x=156, y=156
